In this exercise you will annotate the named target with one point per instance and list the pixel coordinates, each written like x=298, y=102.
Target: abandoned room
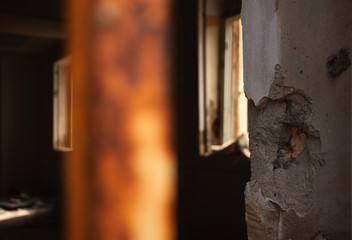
x=170, y=119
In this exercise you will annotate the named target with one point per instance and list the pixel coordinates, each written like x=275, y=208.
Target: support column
x=297, y=75
x=120, y=178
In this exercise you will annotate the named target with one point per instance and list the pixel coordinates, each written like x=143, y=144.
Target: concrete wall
x=297, y=75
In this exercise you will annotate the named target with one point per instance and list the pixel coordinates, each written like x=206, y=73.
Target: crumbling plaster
x=300, y=116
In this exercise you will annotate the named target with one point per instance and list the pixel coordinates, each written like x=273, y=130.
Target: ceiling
x=43, y=10
x=50, y=9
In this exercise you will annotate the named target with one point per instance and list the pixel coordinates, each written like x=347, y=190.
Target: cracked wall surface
x=297, y=76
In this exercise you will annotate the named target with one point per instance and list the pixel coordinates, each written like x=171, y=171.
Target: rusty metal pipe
x=120, y=181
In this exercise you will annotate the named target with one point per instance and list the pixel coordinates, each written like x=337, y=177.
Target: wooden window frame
x=231, y=102
x=62, y=106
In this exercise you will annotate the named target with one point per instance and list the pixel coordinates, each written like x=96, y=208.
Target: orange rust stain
x=127, y=135
x=76, y=179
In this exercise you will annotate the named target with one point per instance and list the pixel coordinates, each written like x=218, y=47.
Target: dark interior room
x=171, y=119
x=30, y=167
x=210, y=187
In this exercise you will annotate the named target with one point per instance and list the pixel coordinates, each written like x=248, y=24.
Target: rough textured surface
x=337, y=63
x=288, y=147
x=262, y=215
x=299, y=119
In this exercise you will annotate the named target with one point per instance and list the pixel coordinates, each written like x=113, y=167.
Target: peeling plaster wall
x=297, y=75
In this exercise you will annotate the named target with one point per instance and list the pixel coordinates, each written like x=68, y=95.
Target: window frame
x=62, y=106
x=228, y=128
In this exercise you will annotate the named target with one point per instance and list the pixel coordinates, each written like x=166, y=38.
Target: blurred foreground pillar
x=119, y=179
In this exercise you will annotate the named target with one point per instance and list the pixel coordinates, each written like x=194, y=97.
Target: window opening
x=223, y=114
x=62, y=106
